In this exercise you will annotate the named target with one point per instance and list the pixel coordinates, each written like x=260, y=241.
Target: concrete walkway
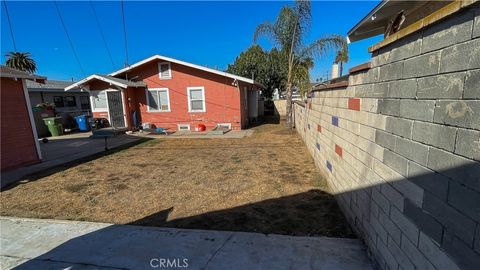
x=64, y=149
x=50, y=244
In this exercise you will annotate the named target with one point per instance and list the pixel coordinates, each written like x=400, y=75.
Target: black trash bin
x=98, y=123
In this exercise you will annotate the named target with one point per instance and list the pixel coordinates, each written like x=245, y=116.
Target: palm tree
x=21, y=61
x=287, y=33
x=342, y=57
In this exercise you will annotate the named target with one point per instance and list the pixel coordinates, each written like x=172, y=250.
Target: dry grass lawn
x=263, y=183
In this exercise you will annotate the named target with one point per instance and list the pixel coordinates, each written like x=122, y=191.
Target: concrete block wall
x=400, y=147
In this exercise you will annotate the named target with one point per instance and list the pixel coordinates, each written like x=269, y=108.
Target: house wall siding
x=17, y=139
x=222, y=97
x=408, y=130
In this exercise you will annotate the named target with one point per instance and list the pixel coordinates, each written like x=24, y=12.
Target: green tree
x=287, y=34
x=342, y=57
x=21, y=61
x=260, y=65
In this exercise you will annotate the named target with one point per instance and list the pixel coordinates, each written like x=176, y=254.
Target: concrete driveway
x=53, y=244
x=64, y=149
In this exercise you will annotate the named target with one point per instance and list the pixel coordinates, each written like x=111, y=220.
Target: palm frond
x=21, y=61
x=265, y=29
x=320, y=46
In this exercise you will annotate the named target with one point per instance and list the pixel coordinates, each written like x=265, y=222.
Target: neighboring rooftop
x=397, y=19
x=7, y=72
x=49, y=85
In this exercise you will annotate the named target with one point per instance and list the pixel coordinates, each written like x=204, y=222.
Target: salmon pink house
x=172, y=94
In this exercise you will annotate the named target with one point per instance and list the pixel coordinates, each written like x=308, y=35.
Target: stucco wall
x=400, y=147
x=280, y=107
x=222, y=97
x=17, y=139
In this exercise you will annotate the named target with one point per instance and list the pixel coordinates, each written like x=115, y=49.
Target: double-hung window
x=165, y=70
x=158, y=100
x=196, y=99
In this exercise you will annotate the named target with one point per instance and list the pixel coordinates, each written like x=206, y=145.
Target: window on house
x=58, y=101
x=183, y=126
x=196, y=99
x=84, y=103
x=158, y=100
x=70, y=101
x=99, y=101
x=165, y=71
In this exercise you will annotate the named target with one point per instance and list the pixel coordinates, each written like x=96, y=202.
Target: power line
x=10, y=25
x=102, y=34
x=125, y=34
x=69, y=39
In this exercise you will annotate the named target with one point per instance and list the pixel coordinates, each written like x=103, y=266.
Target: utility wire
x=102, y=34
x=10, y=25
x=125, y=34
x=69, y=39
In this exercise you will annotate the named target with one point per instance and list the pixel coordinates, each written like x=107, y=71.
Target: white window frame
x=92, y=102
x=149, y=109
x=185, y=125
x=189, y=99
x=160, y=70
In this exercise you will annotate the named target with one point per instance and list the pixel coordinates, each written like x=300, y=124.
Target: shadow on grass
x=311, y=213
x=47, y=172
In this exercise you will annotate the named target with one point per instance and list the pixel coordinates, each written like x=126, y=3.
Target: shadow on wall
x=410, y=226
x=430, y=228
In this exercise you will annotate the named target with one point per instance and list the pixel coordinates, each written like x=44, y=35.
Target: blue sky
x=205, y=33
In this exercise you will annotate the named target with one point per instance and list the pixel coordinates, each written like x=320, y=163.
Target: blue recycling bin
x=82, y=122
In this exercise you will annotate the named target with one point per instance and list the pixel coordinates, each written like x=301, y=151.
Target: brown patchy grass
x=263, y=183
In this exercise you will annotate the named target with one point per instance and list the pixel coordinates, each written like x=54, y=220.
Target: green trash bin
x=54, y=125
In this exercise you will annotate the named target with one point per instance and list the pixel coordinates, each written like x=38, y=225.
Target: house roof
x=172, y=60
x=7, y=72
x=377, y=20
x=108, y=79
x=49, y=86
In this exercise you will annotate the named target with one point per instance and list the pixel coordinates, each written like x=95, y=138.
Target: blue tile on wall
x=308, y=126
x=335, y=121
x=329, y=166
x=318, y=146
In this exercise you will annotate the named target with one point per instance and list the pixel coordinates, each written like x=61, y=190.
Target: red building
x=19, y=141
x=172, y=94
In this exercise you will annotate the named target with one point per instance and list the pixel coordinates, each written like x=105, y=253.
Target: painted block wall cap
x=334, y=85
x=361, y=67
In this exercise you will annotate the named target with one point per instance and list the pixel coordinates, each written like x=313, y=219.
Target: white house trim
x=148, y=100
x=95, y=76
x=160, y=70
x=203, y=98
x=172, y=60
x=32, y=121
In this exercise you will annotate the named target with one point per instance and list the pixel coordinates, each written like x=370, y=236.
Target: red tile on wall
x=319, y=128
x=354, y=104
x=338, y=150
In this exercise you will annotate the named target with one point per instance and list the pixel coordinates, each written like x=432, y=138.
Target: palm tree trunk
x=289, y=122
x=341, y=68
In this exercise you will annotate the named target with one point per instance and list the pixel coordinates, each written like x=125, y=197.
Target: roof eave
x=160, y=57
